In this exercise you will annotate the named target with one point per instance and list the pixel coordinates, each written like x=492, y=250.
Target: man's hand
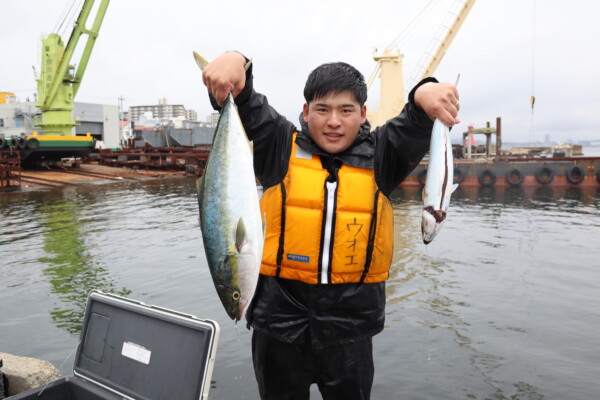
x=439, y=100
x=224, y=75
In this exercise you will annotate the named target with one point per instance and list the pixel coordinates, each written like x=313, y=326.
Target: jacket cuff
x=411, y=95
x=244, y=95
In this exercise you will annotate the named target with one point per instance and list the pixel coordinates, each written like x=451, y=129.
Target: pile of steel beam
x=191, y=160
x=10, y=169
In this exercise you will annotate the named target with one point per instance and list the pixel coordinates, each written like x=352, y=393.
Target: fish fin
x=201, y=61
x=454, y=187
x=240, y=235
x=200, y=191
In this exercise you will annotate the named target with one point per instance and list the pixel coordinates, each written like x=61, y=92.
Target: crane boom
x=390, y=66
x=59, y=82
x=447, y=41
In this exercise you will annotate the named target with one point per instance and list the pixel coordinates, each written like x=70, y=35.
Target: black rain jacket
x=326, y=314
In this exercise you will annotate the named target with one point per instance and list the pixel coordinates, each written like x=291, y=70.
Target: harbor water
x=503, y=304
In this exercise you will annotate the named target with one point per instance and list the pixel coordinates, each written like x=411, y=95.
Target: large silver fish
x=230, y=217
x=438, y=184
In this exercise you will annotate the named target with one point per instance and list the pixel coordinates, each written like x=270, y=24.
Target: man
x=329, y=235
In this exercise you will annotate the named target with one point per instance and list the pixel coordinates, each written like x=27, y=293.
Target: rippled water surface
x=504, y=304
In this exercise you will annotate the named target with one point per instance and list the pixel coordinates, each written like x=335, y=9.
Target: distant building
x=7, y=98
x=162, y=110
x=101, y=121
x=213, y=119
x=192, y=115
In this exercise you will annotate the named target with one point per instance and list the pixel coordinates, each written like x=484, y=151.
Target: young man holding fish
x=329, y=234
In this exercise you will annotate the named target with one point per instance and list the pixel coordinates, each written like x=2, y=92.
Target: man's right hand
x=224, y=75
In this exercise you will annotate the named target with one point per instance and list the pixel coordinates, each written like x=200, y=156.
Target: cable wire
x=410, y=25
x=533, y=51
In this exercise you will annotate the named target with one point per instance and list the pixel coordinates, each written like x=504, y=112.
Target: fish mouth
x=240, y=311
x=431, y=223
x=239, y=315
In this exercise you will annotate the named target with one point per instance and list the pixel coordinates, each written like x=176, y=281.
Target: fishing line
x=61, y=365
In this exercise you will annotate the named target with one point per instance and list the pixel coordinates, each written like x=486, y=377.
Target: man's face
x=334, y=120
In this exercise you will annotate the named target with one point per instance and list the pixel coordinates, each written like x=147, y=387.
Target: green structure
x=59, y=82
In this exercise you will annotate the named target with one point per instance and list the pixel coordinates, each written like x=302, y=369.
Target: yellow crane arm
x=447, y=41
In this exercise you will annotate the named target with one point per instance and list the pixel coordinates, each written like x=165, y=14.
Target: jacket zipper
x=328, y=233
x=371, y=243
x=280, y=249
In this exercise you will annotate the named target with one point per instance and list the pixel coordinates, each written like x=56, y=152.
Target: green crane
x=58, y=81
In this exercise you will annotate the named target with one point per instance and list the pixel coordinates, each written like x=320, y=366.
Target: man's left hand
x=439, y=100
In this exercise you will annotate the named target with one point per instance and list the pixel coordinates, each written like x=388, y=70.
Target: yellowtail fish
x=230, y=217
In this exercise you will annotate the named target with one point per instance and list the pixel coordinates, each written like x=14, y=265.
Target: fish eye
x=236, y=295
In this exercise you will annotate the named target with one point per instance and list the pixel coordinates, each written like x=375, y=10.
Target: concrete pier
x=26, y=373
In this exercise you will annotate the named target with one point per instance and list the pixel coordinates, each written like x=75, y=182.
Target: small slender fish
x=230, y=217
x=438, y=183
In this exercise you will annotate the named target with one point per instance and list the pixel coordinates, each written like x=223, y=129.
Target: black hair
x=335, y=78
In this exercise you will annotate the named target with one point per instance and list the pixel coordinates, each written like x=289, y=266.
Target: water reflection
x=175, y=187
x=526, y=196
x=404, y=247
x=70, y=268
x=517, y=196
x=471, y=316
x=425, y=286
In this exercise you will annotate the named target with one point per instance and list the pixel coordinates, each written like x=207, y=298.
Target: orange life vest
x=326, y=232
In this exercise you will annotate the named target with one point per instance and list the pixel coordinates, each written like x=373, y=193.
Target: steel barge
x=506, y=168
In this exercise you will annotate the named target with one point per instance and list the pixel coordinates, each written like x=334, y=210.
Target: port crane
x=389, y=68
x=59, y=81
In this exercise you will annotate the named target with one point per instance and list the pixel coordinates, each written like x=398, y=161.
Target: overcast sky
x=506, y=51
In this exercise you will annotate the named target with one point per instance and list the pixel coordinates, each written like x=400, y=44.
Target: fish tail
x=201, y=61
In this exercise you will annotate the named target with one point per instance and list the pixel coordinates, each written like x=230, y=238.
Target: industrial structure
x=490, y=165
x=389, y=68
x=17, y=124
x=484, y=165
x=58, y=82
x=169, y=136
